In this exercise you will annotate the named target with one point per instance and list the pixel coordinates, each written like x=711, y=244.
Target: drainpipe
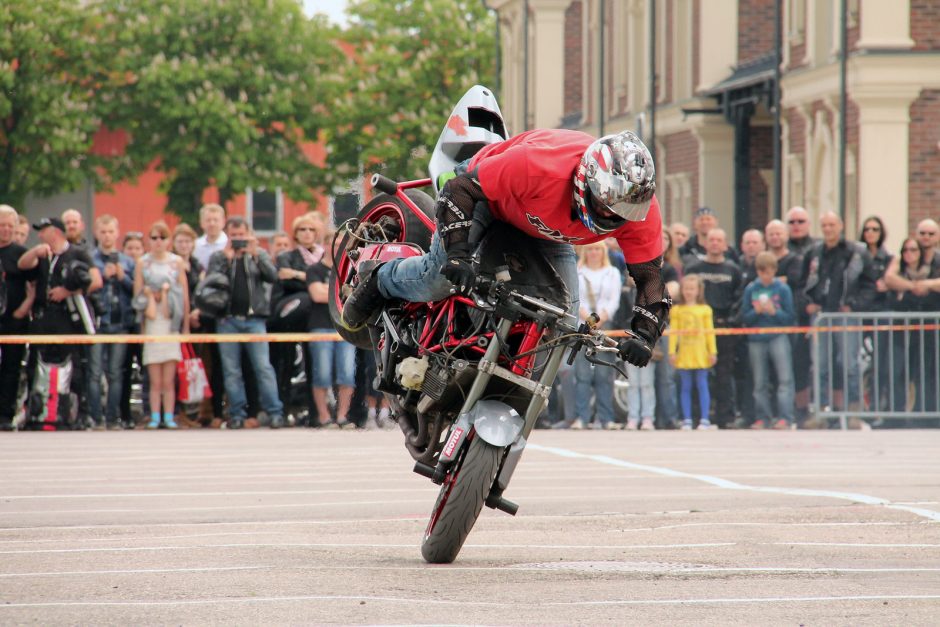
x=525, y=67
x=843, y=100
x=651, y=144
x=499, y=68
x=600, y=90
x=776, y=209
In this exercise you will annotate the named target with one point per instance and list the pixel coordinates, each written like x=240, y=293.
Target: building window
x=345, y=205
x=265, y=210
x=796, y=27
x=682, y=50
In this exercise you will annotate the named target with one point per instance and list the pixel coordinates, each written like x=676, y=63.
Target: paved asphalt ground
x=308, y=527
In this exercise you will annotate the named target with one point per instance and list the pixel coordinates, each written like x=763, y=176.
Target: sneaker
x=365, y=299
x=759, y=424
x=647, y=425
x=686, y=425
x=577, y=424
x=169, y=423
x=154, y=423
x=632, y=424
x=612, y=426
x=705, y=426
x=115, y=426
x=782, y=425
x=858, y=424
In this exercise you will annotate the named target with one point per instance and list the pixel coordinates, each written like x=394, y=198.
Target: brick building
x=585, y=64
x=138, y=204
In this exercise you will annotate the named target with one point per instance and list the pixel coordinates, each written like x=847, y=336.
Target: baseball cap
x=56, y=222
x=703, y=211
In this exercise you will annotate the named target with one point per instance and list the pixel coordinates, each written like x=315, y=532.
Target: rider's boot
x=365, y=300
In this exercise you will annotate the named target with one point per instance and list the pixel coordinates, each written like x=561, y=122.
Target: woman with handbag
x=162, y=295
x=600, y=293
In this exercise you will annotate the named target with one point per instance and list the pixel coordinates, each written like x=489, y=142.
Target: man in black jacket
x=248, y=268
x=724, y=288
x=833, y=281
x=17, y=291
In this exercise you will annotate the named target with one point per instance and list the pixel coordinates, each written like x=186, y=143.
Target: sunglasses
x=796, y=222
x=910, y=250
x=160, y=237
x=306, y=228
x=872, y=229
x=926, y=233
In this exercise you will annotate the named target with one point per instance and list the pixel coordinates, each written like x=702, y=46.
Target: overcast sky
x=335, y=9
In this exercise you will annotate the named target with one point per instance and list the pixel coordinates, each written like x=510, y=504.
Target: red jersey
x=529, y=182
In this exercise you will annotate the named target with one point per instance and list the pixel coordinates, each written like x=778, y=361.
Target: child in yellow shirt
x=692, y=348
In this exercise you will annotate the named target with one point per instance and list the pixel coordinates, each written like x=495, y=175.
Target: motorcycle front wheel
x=460, y=501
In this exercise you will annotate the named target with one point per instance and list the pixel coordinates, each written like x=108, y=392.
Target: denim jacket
x=113, y=302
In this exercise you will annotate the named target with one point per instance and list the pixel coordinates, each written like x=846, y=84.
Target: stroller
x=52, y=406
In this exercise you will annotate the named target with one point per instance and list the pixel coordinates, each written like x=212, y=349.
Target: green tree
x=49, y=82
x=220, y=92
x=411, y=62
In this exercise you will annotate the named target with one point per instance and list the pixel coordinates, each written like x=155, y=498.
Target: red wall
x=138, y=204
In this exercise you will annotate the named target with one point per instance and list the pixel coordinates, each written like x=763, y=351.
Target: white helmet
x=614, y=182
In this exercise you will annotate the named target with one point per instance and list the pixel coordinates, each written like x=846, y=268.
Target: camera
x=112, y=258
x=239, y=244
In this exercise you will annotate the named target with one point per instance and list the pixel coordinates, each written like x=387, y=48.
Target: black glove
x=459, y=271
x=635, y=350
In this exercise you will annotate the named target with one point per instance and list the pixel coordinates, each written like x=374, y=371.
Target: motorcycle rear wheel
x=460, y=501
x=413, y=231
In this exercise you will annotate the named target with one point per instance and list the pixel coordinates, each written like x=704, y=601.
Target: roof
x=749, y=74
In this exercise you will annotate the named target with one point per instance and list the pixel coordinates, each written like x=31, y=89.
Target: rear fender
x=387, y=252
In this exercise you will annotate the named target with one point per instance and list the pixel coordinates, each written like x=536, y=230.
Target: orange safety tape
x=333, y=337
x=214, y=338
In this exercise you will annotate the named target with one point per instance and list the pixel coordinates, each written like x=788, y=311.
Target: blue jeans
x=665, y=386
x=777, y=352
x=844, y=348
x=332, y=362
x=641, y=395
x=419, y=279
x=685, y=394
x=597, y=381
x=260, y=359
x=114, y=355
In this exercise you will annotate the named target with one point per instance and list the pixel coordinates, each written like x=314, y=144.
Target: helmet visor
x=624, y=209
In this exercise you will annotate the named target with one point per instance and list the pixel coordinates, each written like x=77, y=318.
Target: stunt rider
x=561, y=187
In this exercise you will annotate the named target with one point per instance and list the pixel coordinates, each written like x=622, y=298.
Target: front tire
x=460, y=501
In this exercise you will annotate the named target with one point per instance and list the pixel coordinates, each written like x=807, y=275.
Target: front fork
x=459, y=431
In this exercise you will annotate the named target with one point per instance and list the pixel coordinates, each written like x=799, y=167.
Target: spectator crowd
x=165, y=282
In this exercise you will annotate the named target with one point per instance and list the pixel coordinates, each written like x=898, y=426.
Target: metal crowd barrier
x=876, y=366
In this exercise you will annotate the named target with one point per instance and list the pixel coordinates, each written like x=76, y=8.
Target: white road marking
x=470, y=602
x=251, y=523
x=364, y=545
x=560, y=568
x=146, y=571
x=732, y=485
x=579, y=494
x=860, y=544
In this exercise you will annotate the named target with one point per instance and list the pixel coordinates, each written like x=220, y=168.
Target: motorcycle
x=466, y=377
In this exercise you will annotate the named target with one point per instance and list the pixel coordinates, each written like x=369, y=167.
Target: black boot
x=365, y=300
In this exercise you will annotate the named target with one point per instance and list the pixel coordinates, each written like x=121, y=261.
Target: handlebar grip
x=384, y=184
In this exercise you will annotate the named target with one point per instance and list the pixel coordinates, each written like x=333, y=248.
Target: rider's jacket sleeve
x=651, y=311
x=454, y=212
